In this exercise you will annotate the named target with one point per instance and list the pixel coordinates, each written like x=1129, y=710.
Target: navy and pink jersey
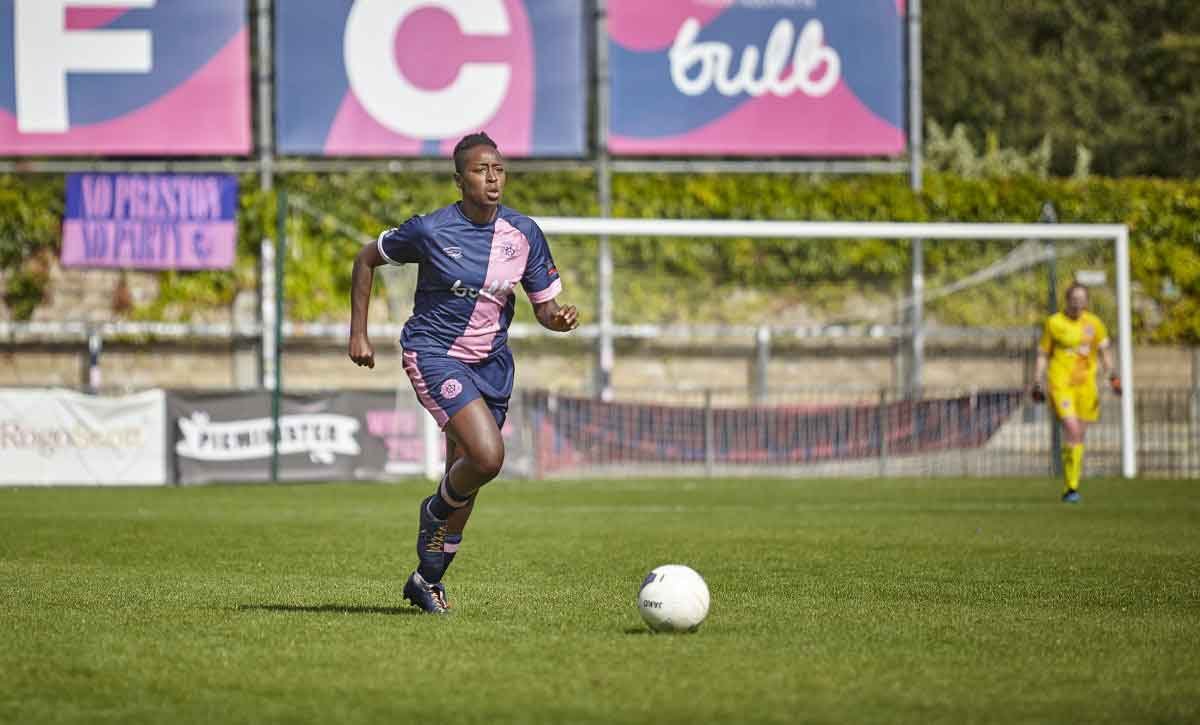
x=467, y=276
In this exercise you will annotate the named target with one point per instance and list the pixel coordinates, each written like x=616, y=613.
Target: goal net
x=745, y=348
x=824, y=412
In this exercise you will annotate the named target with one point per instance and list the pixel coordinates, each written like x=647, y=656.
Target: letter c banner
x=411, y=77
x=471, y=99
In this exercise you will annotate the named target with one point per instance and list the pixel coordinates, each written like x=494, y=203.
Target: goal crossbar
x=1117, y=233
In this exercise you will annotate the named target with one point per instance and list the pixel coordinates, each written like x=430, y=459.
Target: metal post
x=1050, y=216
x=1029, y=413
x=916, y=318
x=762, y=362
x=1194, y=418
x=267, y=312
x=916, y=348
x=883, y=432
x=710, y=436
x=265, y=78
x=604, y=261
x=1125, y=357
x=95, y=346
x=277, y=391
x=915, y=111
x=266, y=161
x=431, y=437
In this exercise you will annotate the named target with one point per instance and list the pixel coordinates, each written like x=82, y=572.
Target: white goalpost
x=1117, y=233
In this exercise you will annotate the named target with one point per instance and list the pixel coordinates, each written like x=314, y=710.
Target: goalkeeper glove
x=1038, y=395
x=1114, y=382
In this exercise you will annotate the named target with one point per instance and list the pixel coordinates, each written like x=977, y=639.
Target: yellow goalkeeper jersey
x=1073, y=346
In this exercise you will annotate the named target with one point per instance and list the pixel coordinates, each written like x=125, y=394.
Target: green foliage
x=333, y=215
x=1117, y=78
x=31, y=210
x=953, y=152
x=1163, y=217
x=183, y=295
x=681, y=280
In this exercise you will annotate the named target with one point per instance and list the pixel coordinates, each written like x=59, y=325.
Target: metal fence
x=843, y=432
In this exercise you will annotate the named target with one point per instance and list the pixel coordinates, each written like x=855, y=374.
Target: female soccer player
x=1071, y=341
x=470, y=257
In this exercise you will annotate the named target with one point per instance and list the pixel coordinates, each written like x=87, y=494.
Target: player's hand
x=1114, y=382
x=361, y=351
x=1037, y=393
x=565, y=319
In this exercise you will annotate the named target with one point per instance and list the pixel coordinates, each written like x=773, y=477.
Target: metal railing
x=854, y=432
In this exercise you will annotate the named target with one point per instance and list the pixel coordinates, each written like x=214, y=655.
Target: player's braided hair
x=467, y=143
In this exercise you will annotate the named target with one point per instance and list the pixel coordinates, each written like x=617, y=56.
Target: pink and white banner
x=150, y=221
x=409, y=77
x=747, y=77
x=130, y=77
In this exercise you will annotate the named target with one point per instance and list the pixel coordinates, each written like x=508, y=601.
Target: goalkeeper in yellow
x=1072, y=340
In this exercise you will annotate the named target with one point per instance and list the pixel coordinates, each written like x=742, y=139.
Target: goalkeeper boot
x=429, y=598
x=1071, y=497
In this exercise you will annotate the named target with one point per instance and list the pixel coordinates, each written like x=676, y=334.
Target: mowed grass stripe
x=833, y=601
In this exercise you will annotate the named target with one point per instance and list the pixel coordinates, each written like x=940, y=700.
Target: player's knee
x=490, y=461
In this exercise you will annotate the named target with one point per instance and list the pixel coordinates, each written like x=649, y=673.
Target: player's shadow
x=326, y=609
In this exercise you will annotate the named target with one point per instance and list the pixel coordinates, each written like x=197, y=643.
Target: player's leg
x=1066, y=408
x=1072, y=456
x=479, y=457
x=432, y=566
x=1087, y=409
x=482, y=456
x=457, y=521
x=445, y=388
x=453, y=393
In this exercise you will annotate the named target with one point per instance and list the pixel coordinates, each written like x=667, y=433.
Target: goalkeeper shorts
x=1076, y=401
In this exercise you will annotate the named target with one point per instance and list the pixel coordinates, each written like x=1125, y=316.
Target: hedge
x=687, y=279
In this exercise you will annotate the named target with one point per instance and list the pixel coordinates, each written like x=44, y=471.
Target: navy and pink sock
x=446, y=500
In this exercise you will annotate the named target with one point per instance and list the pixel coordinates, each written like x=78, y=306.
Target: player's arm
x=362, y=278
x=1110, y=370
x=1039, y=373
x=542, y=284
x=553, y=316
x=1038, y=392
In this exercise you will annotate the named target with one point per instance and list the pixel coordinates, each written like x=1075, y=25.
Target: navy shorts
x=445, y=385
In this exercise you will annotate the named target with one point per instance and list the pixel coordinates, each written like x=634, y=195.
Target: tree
x=1120, y=79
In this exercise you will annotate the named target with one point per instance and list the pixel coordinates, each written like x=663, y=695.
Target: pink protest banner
x=150, y=221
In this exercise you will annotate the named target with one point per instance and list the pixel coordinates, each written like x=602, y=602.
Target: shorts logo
x=452, y=252
x=451, y=389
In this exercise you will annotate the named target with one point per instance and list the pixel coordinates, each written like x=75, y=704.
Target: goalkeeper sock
x=1072, y=460
x=1068, y=466
x=1076, y=469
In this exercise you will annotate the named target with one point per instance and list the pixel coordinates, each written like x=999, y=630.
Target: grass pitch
x=833, y=601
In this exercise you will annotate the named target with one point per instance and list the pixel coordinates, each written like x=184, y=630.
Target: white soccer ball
x=673, y=598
